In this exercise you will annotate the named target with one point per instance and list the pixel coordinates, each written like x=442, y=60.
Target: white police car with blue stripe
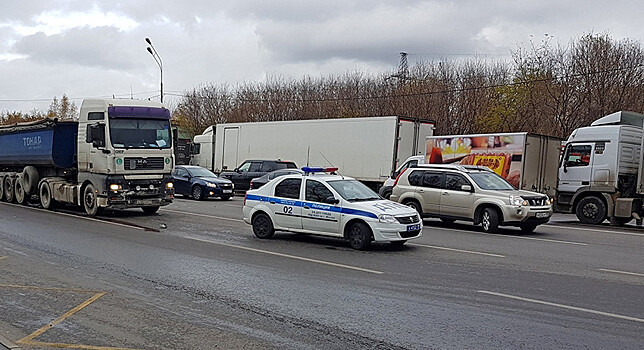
x=332, y=205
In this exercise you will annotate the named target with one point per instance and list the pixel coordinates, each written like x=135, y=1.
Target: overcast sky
x=96, y=48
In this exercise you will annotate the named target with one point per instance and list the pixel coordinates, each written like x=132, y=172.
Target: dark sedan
x=200, y=183
x=262, y=180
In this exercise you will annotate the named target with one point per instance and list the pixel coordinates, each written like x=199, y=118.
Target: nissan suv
x=471, y=193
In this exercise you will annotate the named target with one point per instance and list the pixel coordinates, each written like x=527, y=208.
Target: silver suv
x=472, y=193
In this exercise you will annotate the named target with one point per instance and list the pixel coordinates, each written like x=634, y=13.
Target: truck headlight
x=517, y=200
x=210, y=184
x=115, y=187
x=169, y=185
x=387, y=218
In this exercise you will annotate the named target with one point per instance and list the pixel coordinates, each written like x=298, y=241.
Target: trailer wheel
x=591, y=210
x=90, y=202
x=46, y=199
x=30, y=180
x=1, y=189
x=19, y=191
x=8, y=189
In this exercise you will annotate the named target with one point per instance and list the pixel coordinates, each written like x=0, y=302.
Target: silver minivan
x=471, y=193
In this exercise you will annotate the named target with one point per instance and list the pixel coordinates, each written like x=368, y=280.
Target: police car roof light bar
x=309, y=169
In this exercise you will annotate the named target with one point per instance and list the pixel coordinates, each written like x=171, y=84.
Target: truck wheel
x=359, y=236
x=150, y=210
x=30, y=180
x=8, y=189
x=591, y=210
x=19, y=190
x=46, y=199
x=262, y=226
x=90, y=202
x=1, y=189
x=489, y=220
x=197, y=192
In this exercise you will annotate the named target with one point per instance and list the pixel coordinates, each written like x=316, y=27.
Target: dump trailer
x=527, y=161
x=600, y=175
x=367, y=148
x=117, y=155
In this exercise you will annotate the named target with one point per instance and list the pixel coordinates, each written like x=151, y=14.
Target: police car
x=331, y=205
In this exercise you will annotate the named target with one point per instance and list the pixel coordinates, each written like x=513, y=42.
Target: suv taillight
x=398, y=177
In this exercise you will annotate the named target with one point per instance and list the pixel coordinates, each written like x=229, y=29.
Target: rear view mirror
x=466, y=188
x=331, y=200
x=96, y=135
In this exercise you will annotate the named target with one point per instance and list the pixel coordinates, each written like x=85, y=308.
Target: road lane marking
x=575, y=308
x=291, y=256
x=75, y=346
x=597, y=230
x=623, y=272
x=2, y=257
x=55, y=289
x=201, y=215
x=457, y=250
x=60, y=319
x=75, y=216
x=509, y=236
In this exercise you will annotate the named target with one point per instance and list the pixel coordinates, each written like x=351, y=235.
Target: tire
x=490, y=220
x=1, y=189
x=262, y=226
x=19, y=191
x=359, y=236
x=528, y=228
x=386, y=194
x=591, y=210
x=448, y=220
x=46, y=199
x=90, y=202
x=9, y=195
x=30, y=180
x=225, y=198
x=415, y=205
x=197, y=192
x=150, y=210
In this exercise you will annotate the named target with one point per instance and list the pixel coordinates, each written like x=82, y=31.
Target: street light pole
x=157, y=59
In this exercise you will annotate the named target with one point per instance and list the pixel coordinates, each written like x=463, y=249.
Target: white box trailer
x=527, y=161
x=367, y=148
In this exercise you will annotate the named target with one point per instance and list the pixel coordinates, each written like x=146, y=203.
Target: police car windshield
x=490, y=181
x=353, y=190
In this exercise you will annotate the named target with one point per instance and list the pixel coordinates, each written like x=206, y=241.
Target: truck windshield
x=354, y=190
x=488, y=180
x=140, y=133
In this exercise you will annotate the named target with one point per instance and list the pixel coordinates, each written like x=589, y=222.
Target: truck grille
x=134, y=163
x=535, y=201
x=408, y=219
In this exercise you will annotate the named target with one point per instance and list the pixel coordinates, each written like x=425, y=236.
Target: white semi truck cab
x=600, y=169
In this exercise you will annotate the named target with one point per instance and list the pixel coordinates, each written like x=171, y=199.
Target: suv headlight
x=550, y=201
x=517, y=200
x=210, y=184
x=387, y=219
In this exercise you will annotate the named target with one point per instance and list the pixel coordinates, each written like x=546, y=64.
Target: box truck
x=601, y=174
x=367, y=148
x=117, y=155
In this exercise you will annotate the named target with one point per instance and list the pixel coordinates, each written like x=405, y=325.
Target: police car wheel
x=359, y=236
x=262, y=226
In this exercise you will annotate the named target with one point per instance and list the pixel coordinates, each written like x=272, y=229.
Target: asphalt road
x=194, y=276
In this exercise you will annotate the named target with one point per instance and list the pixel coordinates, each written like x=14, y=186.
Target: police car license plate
x=413, y=227
x=542, y=215
x=228, y=191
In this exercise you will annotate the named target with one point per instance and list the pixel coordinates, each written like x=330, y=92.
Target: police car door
x=286, y=204
x=317, y=214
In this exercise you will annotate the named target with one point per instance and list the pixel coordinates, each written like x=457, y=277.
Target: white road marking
x=457, y=250
x=76, y=216
x=201, y=215
x=290, y=256
x=623, y=272
x=510, y=236
x=575, y=308
x=597, y=230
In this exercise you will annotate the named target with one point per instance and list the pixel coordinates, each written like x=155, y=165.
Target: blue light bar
x=308, y=169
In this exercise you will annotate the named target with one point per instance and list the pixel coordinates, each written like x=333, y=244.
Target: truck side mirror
x=96, y=135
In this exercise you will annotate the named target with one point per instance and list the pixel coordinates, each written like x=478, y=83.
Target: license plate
x=542, y=215
x=228, y=191
x=413, y=227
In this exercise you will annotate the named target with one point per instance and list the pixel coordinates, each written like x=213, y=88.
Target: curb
x=6, y=344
